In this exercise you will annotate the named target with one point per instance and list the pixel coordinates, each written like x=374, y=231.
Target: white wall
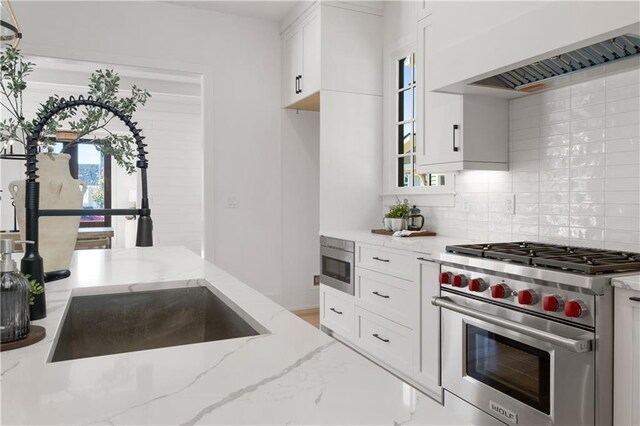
x=239, y=59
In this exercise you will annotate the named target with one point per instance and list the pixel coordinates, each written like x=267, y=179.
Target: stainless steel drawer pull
x=424, y=259
x=579, y=346
x=381, y=295
x=635, y=299
x=336, y=311
x=380, y=338
x=381, y=260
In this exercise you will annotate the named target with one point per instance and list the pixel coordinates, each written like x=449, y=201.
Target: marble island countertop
x=293, y=375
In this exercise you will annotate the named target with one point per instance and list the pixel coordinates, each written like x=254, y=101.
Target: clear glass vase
x=14, y=307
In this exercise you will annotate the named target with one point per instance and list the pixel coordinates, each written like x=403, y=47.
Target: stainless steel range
x=527, y=330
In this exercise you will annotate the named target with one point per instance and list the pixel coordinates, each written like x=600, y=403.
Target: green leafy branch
x=104, y=86
x=35, y=288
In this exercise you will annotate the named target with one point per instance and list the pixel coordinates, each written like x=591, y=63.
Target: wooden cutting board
x=415, y=234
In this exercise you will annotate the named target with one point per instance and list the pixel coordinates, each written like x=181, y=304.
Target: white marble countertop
x=631, y=282
x=426, y=245
x=296, y=374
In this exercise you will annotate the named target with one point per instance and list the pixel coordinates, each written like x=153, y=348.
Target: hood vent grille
x=530, y=77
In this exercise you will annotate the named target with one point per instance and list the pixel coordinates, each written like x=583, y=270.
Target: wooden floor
x=312, y=316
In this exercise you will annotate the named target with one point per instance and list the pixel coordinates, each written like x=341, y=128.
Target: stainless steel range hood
x=532, y=77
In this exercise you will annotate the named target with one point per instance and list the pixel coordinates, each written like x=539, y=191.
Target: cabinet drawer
x=388, y=261
x=391, y=343
x=393, y=298
x=336, y=311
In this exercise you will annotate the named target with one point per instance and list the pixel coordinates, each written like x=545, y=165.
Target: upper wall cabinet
x=301, y=48
x=457, y=132
x=331, y=47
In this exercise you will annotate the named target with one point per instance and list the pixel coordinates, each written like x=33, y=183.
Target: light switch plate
x=233, y=202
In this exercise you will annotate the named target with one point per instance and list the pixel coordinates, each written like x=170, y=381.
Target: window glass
x=407, y=174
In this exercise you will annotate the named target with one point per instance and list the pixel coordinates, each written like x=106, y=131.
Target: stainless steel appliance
x=527, y=330
x=337, y=261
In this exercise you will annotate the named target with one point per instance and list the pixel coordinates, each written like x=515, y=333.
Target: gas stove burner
x=583, y=260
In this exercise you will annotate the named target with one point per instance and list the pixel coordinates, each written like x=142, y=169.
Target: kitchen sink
x=107, y=324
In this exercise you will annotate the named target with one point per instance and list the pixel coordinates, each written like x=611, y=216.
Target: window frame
x=73, y=168
x=393, y=55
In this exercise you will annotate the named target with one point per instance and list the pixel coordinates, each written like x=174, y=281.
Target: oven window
x=513, y=368
x=337, y=269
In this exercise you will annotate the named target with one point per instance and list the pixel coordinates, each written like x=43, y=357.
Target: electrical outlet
x=509, y=203
x=466, y=205
x=316, y=280
x=233, y=202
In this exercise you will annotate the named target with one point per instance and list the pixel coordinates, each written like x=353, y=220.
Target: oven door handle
x=564, y=342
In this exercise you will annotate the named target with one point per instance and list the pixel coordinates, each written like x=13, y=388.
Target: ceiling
x=270, y=10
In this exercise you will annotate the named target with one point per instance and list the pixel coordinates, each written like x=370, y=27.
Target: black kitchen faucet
x=32, y=261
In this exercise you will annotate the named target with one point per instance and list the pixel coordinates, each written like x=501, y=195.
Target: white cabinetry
x=626, y=401
x=331, y=47
x=301, y=60
x=336, y=312
x=457, y=132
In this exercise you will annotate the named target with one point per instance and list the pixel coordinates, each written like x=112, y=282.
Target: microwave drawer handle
x=380, y=259
x=566, y=343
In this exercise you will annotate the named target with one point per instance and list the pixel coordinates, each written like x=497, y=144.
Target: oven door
x=514, y=366
x=337, y=268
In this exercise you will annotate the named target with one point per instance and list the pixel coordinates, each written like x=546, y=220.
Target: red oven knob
x=459, y=281
x=527, y=297
x=499, y=291
x=552, y=303
x=477, y=284
x=575, y=309
x=445, y=277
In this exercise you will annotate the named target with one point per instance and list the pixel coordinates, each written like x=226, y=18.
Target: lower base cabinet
x=390, y=319
x=336, y=312
x=626, y=354
x=392, y=343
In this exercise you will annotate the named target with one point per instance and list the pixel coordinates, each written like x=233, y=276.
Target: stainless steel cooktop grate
x=576, y=259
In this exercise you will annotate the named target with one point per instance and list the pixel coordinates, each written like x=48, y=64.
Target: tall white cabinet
x=626, y=353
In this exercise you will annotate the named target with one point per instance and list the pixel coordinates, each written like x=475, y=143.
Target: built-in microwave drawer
x=388, y=261
x=387, y=341
x=391, y=297
x=336, y=311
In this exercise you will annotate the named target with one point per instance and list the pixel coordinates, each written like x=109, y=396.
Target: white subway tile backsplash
x=623, y=119
x=624, y=92
x=595, y=222
x=627, y=171
x=587, y=148
x=580, y=101
x=590, y=111
x=594, y=123
x=574, y=168
x=555, y=129
x=622, y=158
x=555, y=140
x=587, y=209
x=623, y=145
x=623, y=197
x=624, y=105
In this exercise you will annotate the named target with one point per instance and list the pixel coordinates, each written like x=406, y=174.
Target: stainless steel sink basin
x=108, y=324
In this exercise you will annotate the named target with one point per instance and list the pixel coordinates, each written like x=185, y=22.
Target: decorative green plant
x=104, y=85
x=35, y=288
x=399, y=210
